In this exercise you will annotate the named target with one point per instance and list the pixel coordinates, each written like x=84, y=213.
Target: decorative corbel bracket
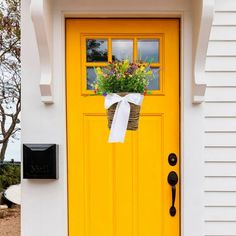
x=42, y=21
x=203, y=11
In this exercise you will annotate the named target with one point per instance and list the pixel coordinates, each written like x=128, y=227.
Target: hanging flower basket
x=133, y=116
x=123, y=83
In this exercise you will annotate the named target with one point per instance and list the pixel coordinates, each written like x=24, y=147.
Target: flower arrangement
x=124, y=84
x=123, y=76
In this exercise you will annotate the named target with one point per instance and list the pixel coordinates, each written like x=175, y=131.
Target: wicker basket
x=133, y=117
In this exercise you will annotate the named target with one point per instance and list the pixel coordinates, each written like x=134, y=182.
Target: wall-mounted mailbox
x=40, y=161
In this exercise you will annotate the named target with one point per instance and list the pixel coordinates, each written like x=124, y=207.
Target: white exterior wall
x=220, y=124
x=44, y=207
x=44, y=202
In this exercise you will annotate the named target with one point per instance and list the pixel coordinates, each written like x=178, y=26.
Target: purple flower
x=111, y=72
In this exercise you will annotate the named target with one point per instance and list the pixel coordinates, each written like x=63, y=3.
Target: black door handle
x=173, y=180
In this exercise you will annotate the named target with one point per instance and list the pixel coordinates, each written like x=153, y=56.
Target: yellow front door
x=122, y=189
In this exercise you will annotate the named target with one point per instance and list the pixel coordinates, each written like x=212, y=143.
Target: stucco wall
x=44, y=203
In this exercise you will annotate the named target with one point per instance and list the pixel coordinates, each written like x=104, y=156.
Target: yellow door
x=122, y=189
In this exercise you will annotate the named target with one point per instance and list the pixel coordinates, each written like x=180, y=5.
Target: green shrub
x=9, y=175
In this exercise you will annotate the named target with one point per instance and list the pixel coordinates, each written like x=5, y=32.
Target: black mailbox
x=40, y=161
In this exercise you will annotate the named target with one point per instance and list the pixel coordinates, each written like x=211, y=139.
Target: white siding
x=223, y=33
x=220, y=124
x=221, y=49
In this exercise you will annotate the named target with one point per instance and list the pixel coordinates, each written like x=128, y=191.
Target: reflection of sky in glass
x=148, y=50
x=91, y=78
x=155, y=82
x=122, y=49
x=96, y=50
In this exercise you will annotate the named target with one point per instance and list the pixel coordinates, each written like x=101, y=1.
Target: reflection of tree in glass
x=114, y=58
x=96, y=50
x=121, y=57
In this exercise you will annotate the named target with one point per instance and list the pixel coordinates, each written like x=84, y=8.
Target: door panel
x=121, y=189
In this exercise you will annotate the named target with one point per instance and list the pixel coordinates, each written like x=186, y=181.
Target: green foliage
x=123, y=76
x=10, y=33
x=9, y=175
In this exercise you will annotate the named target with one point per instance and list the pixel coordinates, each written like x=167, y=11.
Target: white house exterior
x=207, y=107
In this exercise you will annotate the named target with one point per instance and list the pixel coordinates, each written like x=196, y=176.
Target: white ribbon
x=121, y=116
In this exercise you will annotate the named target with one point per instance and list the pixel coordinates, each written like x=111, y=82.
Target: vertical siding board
x=220, y=124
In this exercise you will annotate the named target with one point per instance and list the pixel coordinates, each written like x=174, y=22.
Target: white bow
x=121, y=116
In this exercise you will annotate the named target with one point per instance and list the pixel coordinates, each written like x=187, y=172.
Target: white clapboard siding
x=220, y=228
x=224, y=18
x=220, y=124
x=225, y=5
x=221, y=214
x=220, y=110
x=220, y=139
x=219, y=48
x=221, y=63
x=220, y=198
x=220, y=183
x=221, y=78
x=220, y=170
x=221, y=94
x=227, y=33
x=220, y=155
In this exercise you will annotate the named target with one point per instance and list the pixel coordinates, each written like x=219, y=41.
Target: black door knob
x=173, y=180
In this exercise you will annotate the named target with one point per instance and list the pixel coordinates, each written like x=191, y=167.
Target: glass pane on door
x=148, y=50
x=122, y=49
x=96, y=50
x=155, y=82
x=91, y=78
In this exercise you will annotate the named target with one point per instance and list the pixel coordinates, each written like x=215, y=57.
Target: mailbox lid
x=40, y=161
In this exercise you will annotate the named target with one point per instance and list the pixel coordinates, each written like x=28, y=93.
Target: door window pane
x=122, y=49
x=96, y=50
x=148, y=50
x=155, y=82
x=91, y=78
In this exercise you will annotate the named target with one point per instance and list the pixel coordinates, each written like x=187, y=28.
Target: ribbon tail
x=120, y=122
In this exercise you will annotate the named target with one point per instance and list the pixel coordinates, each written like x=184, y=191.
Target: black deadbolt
x=172, y=159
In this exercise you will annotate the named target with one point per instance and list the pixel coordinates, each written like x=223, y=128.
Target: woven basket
x=133, y=117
